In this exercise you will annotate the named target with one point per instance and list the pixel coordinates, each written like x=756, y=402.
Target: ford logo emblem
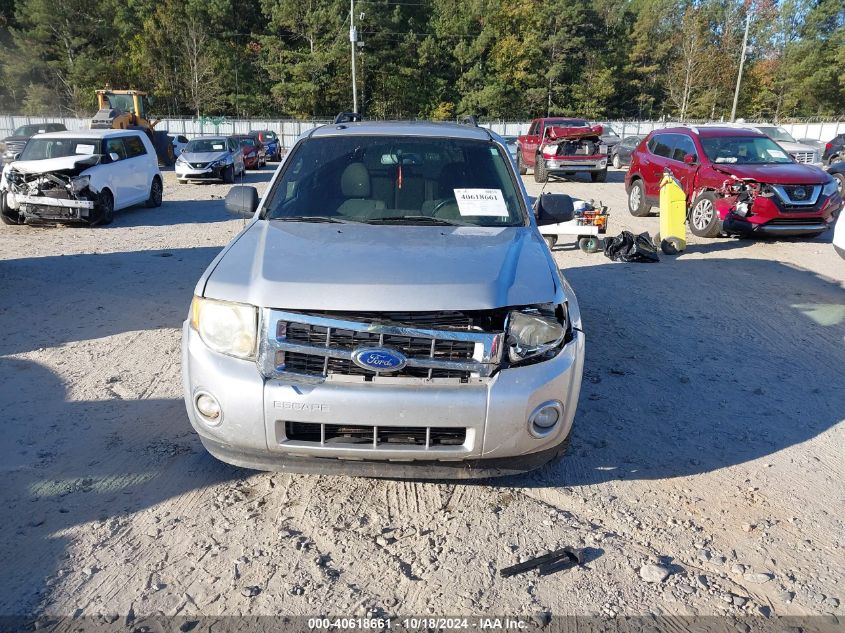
x=379, y=359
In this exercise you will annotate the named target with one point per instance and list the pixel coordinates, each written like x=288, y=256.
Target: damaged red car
x=781, y=196
x=561, y=147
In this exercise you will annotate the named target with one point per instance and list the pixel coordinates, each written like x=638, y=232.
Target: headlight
x=182, y=160
x=228, y=328
x=78, y=184
x=530, y=334
x=551, y=148
x=213, y=164
x=830, y=187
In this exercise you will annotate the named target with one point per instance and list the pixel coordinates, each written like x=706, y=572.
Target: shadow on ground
x=692, y=366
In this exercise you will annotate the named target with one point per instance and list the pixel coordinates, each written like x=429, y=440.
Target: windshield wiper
x=414, y=219
x=313, y=218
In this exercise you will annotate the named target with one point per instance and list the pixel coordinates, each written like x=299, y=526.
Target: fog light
x=545, y=418
x=208, y=407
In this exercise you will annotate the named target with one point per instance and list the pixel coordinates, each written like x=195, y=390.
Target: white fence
x=289, y=130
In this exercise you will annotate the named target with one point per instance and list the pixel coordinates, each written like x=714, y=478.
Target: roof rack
x=348, y=117
x=469, y=119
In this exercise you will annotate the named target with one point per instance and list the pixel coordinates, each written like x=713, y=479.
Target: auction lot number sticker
x=481, y=202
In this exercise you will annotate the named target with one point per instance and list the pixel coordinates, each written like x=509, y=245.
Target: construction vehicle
x=127, y=110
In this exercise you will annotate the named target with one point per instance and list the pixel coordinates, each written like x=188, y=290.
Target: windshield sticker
x=726, y=159
x=481, y=202
x=776, y=153
x=85, y=149
x=217, y=146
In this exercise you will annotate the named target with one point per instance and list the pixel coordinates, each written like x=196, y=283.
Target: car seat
x=355, y=187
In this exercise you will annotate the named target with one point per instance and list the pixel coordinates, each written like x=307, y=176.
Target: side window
x=134, y=146
x=683, y=145
x=115, y=146
x=182, y=139
x=533, y=129
x=233, y=145
x=660, y=145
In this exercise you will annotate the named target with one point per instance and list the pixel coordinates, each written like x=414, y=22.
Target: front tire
x=156, y=193
x=599, y=176
x=105, y=208
x=7, y=215
x=540, y=173
x=617, y=162
x=840, y=183
x=520, y=166
x=703, y=219
x=636, y=200
x=229, y=175
x=551, y=241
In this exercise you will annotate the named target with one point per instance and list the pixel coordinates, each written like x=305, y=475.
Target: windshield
x=203, y=145
x=567, y=122
x=29, y=130
x=41, y=148
x=743, y=150
x=247, y=142
x=777, y=134
x=398, y=180
x=608, y=131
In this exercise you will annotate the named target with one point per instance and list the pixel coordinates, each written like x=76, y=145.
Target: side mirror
x=689, y=159
x=114, y=157
x=554, y=208
x=17, y=156
x=241, y=201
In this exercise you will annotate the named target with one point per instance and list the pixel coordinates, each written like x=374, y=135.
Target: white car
x=803, y=153
x=839, y=236
x=179, y=142
x=81, y=176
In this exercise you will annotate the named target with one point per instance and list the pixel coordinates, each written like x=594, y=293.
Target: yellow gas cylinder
x=673, y=215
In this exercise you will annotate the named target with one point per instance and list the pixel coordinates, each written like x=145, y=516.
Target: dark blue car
x=271, y=143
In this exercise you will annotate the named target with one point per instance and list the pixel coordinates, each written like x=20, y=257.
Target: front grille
x=198, y=165
x=15, y=147
x=799, y=193
x=374, y=436
x=435, y=345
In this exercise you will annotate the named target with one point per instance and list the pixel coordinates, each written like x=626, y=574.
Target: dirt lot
x=708, y=446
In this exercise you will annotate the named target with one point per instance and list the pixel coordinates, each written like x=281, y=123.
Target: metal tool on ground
x=588, y=223
x=557, y=560
x=672, y=237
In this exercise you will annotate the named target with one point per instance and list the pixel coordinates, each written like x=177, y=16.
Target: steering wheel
x=442, y=204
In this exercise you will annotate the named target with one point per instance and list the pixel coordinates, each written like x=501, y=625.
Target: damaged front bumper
x=565, y=164
x=42, y=208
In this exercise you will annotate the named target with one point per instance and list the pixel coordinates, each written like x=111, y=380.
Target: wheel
x=617, y=162
x=671, y=245
x=520, y=166
x=104, y=207
x=840, y=183
x=156, y=193
x=703, y=219
x=588, y=244
x=540, y=173
x=551, y=240
x=164, y=148
x=833, y=159
x=7, y=215
x=599, y=176
x=636, y=200
x=229, y=175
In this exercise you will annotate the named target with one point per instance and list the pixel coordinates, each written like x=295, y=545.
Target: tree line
x=436, y=59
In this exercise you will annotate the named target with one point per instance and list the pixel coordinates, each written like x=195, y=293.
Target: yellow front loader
x=127, y=110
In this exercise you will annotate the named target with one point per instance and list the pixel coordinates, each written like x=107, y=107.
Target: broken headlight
x=531, y=333
x=79, y=184
x=550, y=148
x=226, y=327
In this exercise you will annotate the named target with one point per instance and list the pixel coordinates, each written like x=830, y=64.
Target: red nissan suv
x=793, y=199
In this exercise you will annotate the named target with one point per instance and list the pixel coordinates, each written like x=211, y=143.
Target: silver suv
x=391, y=310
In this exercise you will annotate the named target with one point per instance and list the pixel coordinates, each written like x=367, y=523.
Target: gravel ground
x=705, y=474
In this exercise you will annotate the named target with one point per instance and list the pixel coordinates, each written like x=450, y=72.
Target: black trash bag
x=627, y=247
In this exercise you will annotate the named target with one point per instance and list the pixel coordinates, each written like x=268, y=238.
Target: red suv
x=794, y=199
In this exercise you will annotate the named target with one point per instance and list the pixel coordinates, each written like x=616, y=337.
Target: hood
x=776, y=173
x=375, y=268
x=65, y=163
x=203, y=157
x=16, y=138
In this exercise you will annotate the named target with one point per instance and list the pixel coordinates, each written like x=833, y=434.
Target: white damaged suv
x=80, y=176
x=391, y=309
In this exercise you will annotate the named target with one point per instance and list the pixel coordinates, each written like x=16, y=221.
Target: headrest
x=355, y=181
